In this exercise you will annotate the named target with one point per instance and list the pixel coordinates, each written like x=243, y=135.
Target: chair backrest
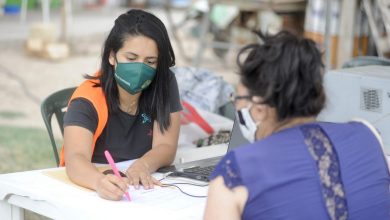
x=55, y=104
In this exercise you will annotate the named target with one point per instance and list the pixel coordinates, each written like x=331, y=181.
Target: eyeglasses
x=234, y=99
x=249, y=98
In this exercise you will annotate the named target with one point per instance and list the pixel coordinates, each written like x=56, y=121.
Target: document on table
x=157, y=203
x=170, y=198
x=60, y=174
x=163, y=200
x=162, y=197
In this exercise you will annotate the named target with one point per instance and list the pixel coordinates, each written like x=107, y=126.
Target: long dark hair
x=155, y=99
x=287, y=72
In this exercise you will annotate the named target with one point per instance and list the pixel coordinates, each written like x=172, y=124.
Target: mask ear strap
x=257, y=123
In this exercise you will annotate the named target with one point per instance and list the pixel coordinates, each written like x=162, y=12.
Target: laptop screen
x=236, y=140
x=236, y=137
x=201, y=169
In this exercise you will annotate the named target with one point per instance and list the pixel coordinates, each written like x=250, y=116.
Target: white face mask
x=247, y=126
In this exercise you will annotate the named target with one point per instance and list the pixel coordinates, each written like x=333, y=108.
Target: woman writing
x=130, y=108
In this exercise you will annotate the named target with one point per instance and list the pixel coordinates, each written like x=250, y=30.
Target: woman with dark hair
x=130, y=107
x=296, y=167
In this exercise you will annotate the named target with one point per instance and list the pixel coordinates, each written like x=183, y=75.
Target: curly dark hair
x=286, y=72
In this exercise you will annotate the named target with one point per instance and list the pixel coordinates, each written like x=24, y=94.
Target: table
x=36, y=191
x=45, y=195
x=60, y=199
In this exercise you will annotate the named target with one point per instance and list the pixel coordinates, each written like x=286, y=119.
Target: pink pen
x=113, y=167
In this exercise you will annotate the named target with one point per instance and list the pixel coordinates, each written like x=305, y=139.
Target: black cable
x=161, y=179
x=195, y=196
x=185, y=193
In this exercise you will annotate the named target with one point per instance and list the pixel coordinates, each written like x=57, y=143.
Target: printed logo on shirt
x=145, y=118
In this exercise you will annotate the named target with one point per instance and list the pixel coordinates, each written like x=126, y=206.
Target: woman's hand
x=112, y=187
x=138, y=173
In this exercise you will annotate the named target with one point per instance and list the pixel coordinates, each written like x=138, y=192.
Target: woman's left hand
x=138, y=173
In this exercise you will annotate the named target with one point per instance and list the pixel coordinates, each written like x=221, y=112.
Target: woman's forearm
x=83, y=172
x=159, y=156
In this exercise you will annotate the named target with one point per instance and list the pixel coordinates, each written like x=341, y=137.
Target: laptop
x=201, y=169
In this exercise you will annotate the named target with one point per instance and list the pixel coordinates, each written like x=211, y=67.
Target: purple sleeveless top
x=312, y=171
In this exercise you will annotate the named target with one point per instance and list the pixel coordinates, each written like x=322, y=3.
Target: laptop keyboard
x=206, y=171
x=196, y=173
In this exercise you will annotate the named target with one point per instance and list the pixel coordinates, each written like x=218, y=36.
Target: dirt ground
x=26, y=80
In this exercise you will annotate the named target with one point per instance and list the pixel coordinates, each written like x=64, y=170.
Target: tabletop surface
x=67, y=201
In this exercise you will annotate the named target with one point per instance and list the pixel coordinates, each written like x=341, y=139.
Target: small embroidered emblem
x=145, y=118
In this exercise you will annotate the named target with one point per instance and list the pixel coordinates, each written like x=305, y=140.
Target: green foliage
x=24, y=149
x=30, y=4
x=10, y=114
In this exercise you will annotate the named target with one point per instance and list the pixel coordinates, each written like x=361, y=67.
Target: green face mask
x=134, y=77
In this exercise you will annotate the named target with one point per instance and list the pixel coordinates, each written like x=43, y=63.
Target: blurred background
x=48, y=45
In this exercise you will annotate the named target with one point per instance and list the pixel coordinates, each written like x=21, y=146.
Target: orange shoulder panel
x=96, y=96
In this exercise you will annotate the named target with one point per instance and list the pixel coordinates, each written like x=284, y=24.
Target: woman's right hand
x=112, y=187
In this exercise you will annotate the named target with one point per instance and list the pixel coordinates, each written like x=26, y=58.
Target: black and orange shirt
x=125, y=136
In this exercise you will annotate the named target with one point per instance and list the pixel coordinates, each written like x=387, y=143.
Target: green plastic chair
x=55, y=104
